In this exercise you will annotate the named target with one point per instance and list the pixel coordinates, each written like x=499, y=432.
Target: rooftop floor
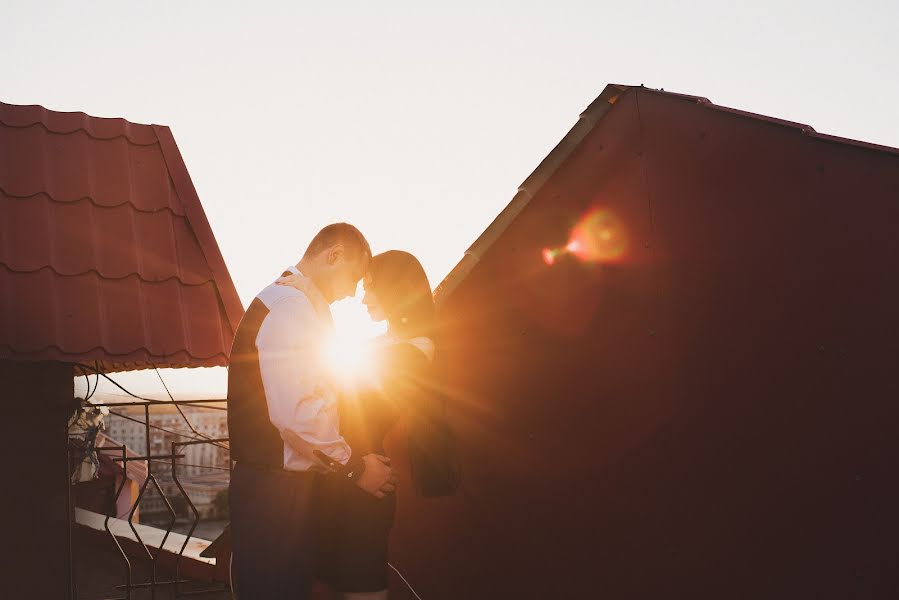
x=99, y=568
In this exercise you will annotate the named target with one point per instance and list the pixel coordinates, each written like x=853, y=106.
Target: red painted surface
x=714, y=414
x=105, y=251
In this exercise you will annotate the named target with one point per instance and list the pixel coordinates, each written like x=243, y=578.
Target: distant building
x=165, y=429
x=203, y=491
x=200, y=461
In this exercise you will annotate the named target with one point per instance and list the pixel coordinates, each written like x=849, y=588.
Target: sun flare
x=349, y=351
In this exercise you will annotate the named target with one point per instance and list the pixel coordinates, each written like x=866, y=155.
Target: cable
x=411, y=589
x=184, y=435
x=230, y=576
x=151, y=401
x=181, y=412
x=96, y=382
x=88, y=393
x=100, y=373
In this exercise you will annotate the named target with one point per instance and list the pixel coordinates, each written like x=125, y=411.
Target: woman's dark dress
x=352, y=548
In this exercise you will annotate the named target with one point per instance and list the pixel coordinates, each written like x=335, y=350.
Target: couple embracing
x=312, y=492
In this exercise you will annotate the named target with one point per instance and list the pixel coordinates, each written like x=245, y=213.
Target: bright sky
x=416, y=122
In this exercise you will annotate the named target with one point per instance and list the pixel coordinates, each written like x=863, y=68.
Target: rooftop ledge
x=192, y=565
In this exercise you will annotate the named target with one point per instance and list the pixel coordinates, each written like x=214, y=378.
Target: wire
x=100, y=373
x=184, y=435
x=408, y=585
x=230, y=576
x=96, y=382
x=151, y=401
x=88, y=393
x=181, y=412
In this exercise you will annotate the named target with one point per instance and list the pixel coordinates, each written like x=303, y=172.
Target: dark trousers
x=273, y=520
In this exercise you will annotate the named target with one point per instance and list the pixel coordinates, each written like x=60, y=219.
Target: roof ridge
x=93, y=201
x=803, y=128
x=65, y=123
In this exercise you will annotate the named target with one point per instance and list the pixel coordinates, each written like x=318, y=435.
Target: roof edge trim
x=529, y=188
x=20, y=116
x=200, y=224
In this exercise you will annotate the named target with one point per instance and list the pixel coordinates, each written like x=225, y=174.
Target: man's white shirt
x=302, y=401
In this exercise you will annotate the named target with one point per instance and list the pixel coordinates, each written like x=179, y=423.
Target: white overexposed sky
x=416, y=121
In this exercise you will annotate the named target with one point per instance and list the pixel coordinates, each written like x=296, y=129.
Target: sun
x=348, y=352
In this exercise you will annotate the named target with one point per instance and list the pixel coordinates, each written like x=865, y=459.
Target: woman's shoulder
x=414, y=354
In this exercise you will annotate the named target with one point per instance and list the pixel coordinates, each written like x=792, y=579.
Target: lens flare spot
x=549, y=256
x=598, y=237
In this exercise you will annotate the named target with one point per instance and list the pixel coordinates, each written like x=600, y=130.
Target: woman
x=353, y=543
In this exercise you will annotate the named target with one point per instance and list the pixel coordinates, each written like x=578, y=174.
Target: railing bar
x=198, y=592
x=196, y=403
x=73, y=593
x=149, y=477
x=195, y=441
x=193, y=509
x=134, y=506
x=202, y=466
x=174, y=515
x=149, y=457
x=157, y=427
x=115, y=540
x=148, y=584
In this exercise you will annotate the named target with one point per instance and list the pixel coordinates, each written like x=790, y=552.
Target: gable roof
x=106, y=254
x=587, y=121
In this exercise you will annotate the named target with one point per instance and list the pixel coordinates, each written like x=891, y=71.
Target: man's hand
x=378, y=478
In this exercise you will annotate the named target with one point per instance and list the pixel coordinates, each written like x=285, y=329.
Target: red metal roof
x=587, y=122
x=105, y=250
x=713, y=411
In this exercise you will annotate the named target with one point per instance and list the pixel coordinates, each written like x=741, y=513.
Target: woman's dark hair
x=403, y=290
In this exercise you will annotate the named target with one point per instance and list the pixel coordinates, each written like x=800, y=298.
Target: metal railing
x=195, y=437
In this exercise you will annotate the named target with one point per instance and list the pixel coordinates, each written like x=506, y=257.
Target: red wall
x=37, y=403
x=713, y=416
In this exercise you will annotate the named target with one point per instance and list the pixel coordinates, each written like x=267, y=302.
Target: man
x=282, y=418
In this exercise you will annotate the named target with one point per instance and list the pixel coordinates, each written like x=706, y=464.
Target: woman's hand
x=304, y=284
x=298, y=281
x=378, y=478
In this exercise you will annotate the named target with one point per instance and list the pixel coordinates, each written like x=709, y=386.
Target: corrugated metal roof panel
x=105, y=251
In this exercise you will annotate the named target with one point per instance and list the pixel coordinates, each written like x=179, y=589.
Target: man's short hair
x=340, y=233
